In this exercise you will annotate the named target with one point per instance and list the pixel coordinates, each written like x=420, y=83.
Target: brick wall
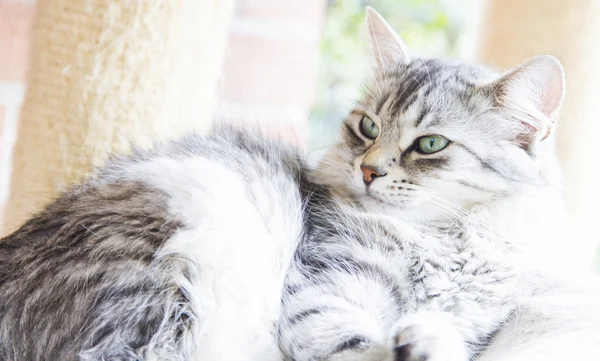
x=268, y=75
x=270, y=65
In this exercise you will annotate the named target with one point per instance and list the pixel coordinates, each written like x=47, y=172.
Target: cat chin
x=406, y=211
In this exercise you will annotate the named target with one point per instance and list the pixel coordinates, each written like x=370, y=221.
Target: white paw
x=428, y=336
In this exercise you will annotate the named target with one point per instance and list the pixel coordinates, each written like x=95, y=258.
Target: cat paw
x=408, y=353
x=428, y=337
x=423, y=349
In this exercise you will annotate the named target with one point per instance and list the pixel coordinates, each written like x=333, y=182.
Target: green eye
x=368, y=128
x=432, y=144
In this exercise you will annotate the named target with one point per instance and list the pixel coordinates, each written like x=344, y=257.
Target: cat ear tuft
x=386, y=46
x=533, y=94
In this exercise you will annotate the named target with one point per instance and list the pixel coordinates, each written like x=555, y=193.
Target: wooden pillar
x=513, y=30
x=105, y=73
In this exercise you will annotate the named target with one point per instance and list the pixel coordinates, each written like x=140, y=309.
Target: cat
x=421, y=243
x=205, y=248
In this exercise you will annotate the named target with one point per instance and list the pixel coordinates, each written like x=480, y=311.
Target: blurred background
x=80, y=79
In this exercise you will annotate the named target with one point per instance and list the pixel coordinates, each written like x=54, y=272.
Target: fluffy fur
x=174, y=254
x=437, y=253
x=186, y=252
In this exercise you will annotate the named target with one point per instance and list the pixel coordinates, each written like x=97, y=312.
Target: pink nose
x=370, y=173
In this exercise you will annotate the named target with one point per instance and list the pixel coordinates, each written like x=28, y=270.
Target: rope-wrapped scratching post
x=105, y=73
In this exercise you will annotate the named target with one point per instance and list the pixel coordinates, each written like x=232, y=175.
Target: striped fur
x=226, y=247
x=435, y=256
x=156, y=256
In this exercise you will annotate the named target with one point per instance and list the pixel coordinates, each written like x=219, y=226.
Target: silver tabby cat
x=420, y=237
x=453, y=174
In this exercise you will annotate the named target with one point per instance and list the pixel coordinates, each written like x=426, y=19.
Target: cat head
x=431, y=137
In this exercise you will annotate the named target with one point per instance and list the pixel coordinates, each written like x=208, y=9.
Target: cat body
x=363, y=285
x=425, y=234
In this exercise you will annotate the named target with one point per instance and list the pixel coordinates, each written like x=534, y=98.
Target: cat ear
x=532, y=94
x=386, y=46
